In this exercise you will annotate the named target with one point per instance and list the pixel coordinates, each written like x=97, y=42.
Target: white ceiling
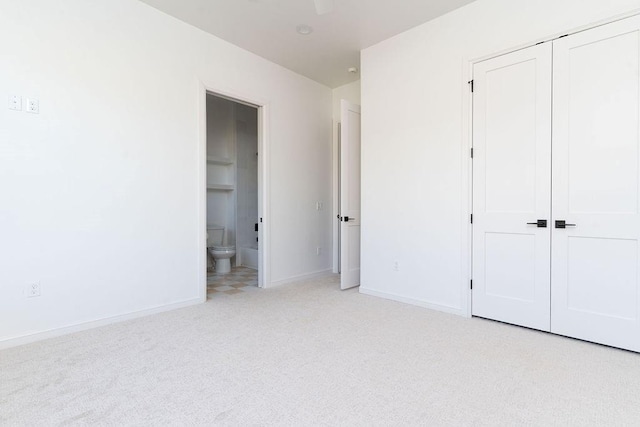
x=268, y=28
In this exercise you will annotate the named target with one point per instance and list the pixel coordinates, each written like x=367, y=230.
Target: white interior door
x=349, y=195
x=262, y=235
x=596, y=153
x=512, y=187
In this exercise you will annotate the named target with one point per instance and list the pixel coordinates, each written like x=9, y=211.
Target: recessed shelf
x=224, y=161
x=220, y=187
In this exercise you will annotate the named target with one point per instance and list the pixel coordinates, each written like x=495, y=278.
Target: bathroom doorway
x=233, y=196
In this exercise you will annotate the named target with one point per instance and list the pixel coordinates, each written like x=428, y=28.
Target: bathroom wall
x=247, y=175
x=221, y=145
x=220, y=127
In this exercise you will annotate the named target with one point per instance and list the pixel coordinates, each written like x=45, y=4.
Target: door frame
x=264, y=231
x=335, y=214
x=467, y=144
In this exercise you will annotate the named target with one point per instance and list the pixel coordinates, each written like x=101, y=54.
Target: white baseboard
x=315, y=275
x=52, y=333
x=420, y=303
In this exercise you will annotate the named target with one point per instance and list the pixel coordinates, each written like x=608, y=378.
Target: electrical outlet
x=15, y=102
x=396, y=266
x=318, y=206
x=33, y=290
x=33, y=106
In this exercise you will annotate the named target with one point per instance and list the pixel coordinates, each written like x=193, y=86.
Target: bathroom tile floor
x=240, y=279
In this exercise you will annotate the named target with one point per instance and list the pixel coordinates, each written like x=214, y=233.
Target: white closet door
x=512, y=187
x=596, y=178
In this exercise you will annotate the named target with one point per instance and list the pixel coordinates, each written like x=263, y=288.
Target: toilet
x=216, y=239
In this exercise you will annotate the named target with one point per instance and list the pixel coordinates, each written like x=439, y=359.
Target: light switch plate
x=15, y=102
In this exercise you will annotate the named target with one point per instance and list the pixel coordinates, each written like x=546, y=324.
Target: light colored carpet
x=309, y=354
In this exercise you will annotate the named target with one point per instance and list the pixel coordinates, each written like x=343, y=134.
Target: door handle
x=561, y=223
x=347, y=219
x=541, y=223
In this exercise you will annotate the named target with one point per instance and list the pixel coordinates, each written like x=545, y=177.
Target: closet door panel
x=596, y=177
x=512, y=184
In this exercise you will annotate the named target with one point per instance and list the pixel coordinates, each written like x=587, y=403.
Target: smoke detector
x=304, y=29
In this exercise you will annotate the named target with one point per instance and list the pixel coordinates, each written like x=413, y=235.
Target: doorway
x=233, y=212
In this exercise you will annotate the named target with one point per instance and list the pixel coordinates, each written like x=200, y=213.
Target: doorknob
x=541, y=223
x=347, y=219
x=561, y=223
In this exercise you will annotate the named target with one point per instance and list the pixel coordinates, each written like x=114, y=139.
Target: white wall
x=349, y=92
x=100, y=193
x=414, y=112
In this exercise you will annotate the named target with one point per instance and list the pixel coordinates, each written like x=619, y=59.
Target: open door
x=349, y=195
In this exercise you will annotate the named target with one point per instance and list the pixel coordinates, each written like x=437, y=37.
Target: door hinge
x=471, y=283
x=471, y=218
x=471, y=85
x=472, y=153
